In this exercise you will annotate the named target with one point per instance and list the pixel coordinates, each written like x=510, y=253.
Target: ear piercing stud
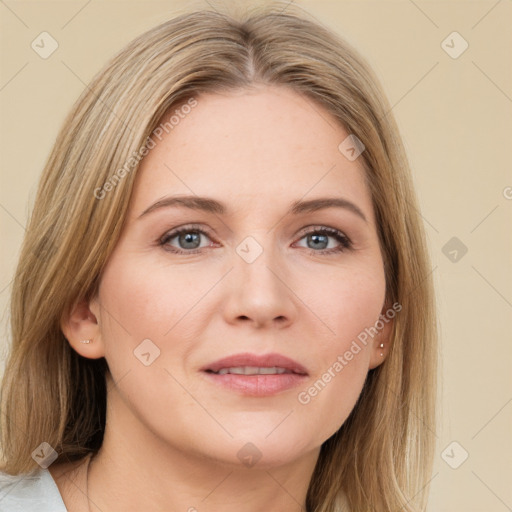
x=381, y=346
x=85, y=341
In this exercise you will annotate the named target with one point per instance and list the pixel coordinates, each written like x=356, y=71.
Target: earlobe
x=381, y=344
x=380, y=351
x=81, y=328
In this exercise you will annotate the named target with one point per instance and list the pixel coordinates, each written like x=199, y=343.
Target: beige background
x=455, y=118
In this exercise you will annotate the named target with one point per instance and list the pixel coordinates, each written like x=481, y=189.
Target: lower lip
x=257, y=385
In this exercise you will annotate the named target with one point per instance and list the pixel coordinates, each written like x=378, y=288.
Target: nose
x=260, y=293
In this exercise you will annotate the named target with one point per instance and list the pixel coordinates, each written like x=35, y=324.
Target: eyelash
x=344, y=241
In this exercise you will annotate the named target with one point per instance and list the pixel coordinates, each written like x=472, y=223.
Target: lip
x=260, y=360
x=256, y=385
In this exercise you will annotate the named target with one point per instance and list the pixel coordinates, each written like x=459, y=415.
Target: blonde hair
x=381, y=457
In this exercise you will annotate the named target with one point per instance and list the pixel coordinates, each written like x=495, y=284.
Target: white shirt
x=33, y=492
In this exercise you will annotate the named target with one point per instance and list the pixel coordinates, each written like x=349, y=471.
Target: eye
x=318, y=240
x=188, y=239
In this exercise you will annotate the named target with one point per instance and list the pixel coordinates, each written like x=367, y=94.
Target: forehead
x=269, y=142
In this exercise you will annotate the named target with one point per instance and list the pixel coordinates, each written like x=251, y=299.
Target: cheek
x=141, y=302
x=328, y=401
x=141, y=313
x=351, y=305
x=145, y=302
x=133, y=310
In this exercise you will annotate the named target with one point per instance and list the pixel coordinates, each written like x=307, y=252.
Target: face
x=251, y=272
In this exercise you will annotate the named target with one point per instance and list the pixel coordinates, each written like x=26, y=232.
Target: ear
x=80, y=323
x=382, y=340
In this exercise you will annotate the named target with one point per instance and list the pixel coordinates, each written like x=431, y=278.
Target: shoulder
x=32, y=492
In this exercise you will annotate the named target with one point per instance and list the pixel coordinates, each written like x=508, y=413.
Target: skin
x=172, y=437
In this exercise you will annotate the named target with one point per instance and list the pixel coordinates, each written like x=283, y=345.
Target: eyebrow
x=210, y=205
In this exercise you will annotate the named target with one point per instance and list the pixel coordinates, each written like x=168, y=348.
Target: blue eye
x=189, y=240
x=319, y=237
x=188, y=237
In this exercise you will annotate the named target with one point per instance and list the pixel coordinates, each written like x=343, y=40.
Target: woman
x=223, y=299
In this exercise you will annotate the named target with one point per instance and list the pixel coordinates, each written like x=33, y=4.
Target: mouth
x=253, y=370
x=256, y=375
